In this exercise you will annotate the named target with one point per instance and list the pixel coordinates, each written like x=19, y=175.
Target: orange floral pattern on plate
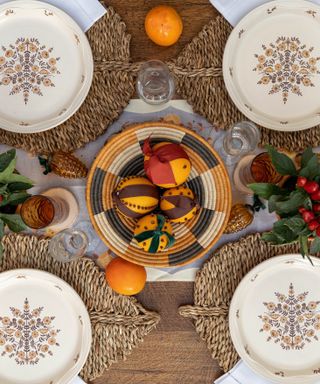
x=292, y=322
x=26, y=67
x=27, y=336
x=286, y=66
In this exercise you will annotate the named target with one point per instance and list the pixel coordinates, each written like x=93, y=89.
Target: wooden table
x=173, y=353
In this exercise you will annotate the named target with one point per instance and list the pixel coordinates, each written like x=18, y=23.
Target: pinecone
x=240, y=217
x=63, y=164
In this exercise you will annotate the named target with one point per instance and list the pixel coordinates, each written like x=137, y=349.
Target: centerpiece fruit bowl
x=122, y=157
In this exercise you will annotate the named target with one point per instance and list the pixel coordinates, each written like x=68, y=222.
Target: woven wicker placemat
x=201, y=83
x=110, y=92
x=214, y=287
x=119, y=323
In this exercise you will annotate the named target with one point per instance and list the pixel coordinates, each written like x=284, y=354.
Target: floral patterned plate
x=271, y=65
x=274, y=319
x=46, y=66
x=45, y=330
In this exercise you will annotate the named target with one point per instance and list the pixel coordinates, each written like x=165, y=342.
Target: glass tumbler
x=40, y=211
x=155, y=84
x=241, y=139
x=68, y=245
x=255, y=169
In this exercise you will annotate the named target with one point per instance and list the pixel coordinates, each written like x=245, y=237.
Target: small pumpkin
x=153, y=233
x=179, y=204
x=135, y=196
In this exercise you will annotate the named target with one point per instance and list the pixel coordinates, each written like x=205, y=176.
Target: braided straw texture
x=214, y=287
x=201, y=84
x=110, y=92
x=119, y=323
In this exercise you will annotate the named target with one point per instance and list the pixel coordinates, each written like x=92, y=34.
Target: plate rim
x=131, y=128
x=233, y=328
x=87, y=328
x=78, y=100
x=231, y=88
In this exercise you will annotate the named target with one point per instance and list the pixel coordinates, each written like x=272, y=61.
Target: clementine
x=163, y=25
x=124, y=277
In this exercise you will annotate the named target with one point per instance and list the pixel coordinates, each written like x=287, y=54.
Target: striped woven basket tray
x=121, y=157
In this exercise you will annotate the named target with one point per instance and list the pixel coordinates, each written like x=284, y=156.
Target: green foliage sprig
x=13, y=187
x=292, y=201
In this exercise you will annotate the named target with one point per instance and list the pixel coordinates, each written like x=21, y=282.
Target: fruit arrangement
x=167, y=166
x=296, y=202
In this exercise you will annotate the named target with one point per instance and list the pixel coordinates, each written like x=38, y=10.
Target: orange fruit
x=163, y=25
x=124, y=277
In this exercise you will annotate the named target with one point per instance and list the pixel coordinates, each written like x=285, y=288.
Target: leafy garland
x=13, y=188
x=291, y=201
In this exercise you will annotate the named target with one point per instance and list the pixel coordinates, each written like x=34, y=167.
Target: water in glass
x=155, y=84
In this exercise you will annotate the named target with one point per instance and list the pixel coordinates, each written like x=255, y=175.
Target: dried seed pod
x=241, y=216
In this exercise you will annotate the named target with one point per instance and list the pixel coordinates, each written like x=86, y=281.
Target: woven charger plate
x=121, y=157
x=215, y=285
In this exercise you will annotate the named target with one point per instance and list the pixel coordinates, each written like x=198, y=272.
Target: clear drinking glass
x=68, y=245
x=241, y=139
x=155, y=84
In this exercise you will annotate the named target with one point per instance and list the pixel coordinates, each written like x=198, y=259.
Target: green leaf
x=15, y=178
x=315, y=246
x=272, y=238
x=295, y=200
x=282, y=163
x=7, y=172
x=1, y=229
x=295, y=224
x=3, y=189
x=265, y=190
x=303, y=240
x=306, y=156
x=14, y=222
x=283, y=231
x=19, y=186
x=6, y=158
x=312, y=169
x=272, y=203
x=15, y=198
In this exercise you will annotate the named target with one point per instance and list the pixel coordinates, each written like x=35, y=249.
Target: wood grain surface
x=173, y=353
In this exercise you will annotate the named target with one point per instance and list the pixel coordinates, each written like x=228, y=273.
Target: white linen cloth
x=235, y=10
x=241, y=374
x=84, y=12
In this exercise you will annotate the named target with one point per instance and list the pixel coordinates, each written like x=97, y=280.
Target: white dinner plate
x=271, y=65
x=274, y=319
x=45, y=330
x=46, y=66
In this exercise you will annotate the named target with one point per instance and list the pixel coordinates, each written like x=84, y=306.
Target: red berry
x=1, y=198
x=313, y=225
x=308, y=216
x=318, y=231
x=311, y=187
x=316, y=208
x=315, y=195
x=301, y=181
x=302, y=209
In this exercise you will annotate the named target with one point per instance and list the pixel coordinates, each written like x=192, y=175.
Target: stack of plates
x=274, y=320
x=45, y=331
x=271, y=65
x=46, y=66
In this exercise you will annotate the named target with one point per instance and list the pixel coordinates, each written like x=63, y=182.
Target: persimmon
x=163, y=25
x=125, y=277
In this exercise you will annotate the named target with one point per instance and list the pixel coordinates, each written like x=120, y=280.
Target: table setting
x=121, y=176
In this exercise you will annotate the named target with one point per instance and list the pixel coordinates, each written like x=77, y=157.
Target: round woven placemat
x=200, y=82
x=119, y=323
x=110, y=92
x=214, y=287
